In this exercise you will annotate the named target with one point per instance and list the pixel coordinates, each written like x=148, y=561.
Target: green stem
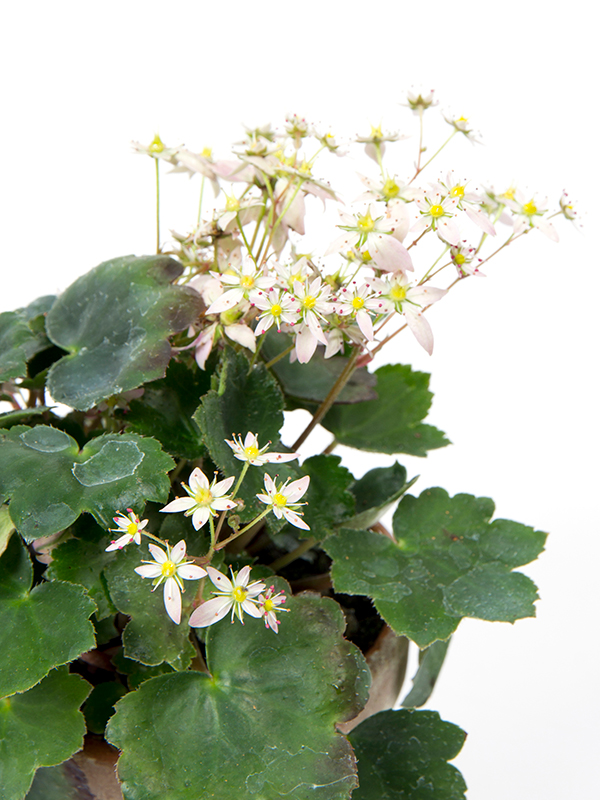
x=157, y=206
x=247, y=527
x=273, y=361
x=241, y=478
x=200, y=201
x=330, y=399
x=437, y=152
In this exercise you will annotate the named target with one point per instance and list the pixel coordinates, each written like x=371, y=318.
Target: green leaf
x=392, y=422
x=329, y=503
x=21, y=337
x=115, y=322
x=136, y=672
x=6, y=528
x=40, y=728
x=403, y=755
x=448, y=562
x=376, y=492
x=51, y=483
x=312, y=382
x=165, y=411
x=431, y=661
x=261, y=725
x=40, y=628
x=82, y=561
x=245, y=401
x=99, y=706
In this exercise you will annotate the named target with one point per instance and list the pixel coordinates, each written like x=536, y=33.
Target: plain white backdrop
x=514, y=368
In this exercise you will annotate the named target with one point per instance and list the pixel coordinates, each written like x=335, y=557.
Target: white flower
x=277, y=306
x=171, y=568
x=530, y=215
x=377, y=233
x=268, y=604
x=437, y=213
x=313, y=299
x=242, y=283
x=130, y=526
x=236, y=595
x=250, y=452
x=283, y=499
x=462, y=125
x=420, y=101
x=469, y=202
x=204, y=500
x=399, y=295
x=357, y=301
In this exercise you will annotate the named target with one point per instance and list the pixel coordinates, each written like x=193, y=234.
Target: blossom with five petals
x=170, y=568
x=249, y=451
x=235, y=595
x=130, y=526
x=268, y=605
x=283, y=499
x=204, y=500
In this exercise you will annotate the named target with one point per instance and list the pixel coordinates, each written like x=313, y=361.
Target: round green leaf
x=39, y=628
x=403, y=755
x=115, y=322
x=260, y=725
x=40, y=728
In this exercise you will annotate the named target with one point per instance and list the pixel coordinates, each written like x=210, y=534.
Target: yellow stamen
x=246, y=281
x=309, y=301
x=268, y=605
x=132, y=528
x=203, y=497
x=279, y=499
x=206, y=152
x=276, y=310
x=436, y=211
x=398, y=293
x=358, y=302
x=239, y=594
x=390, y=189
x=168, y=569
x=251, y=452
x=530, y=208
x=365, y=222
x=458, y=191
x=459, y=258
x=156, y=145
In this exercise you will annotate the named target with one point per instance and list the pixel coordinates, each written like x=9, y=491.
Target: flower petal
x=149, y=570
x=210, y=612
x=221, y=581
x=178, y=552
x=172, y=595
x=191, y=572
x=158, y=554
x=179, y=504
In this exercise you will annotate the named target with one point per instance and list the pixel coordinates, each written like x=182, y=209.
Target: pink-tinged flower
x=568, y=211
x=386, y=190
x=204, y=500
x=357, y=301
x=377, y=234
x=398, y=295
x=313, y=303
x=235, y=595
x=243, y=283
x=469, y=202
x=170, y=568
x=420, y=101
x=466, y=260
x=268, y=605
x=530, y=215
x=249, y=451
x=437, y=212
x=130, y=526
x=283, y=499
x=288, y=275
x=277, y=307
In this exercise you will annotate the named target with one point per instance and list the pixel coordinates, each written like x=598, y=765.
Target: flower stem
x=283, y=561
x=277, y=358
x=247, y=527
x=157, y=206
x=337, y=387
x=241, y=478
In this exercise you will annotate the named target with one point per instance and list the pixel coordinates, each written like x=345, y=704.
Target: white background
x=514, y=366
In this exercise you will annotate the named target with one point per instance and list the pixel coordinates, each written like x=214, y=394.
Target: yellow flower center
x=309, y=301
x=203, y=497
x=436, y=211
x=279, y=499
x=132, y=528
x=246, y=281
x=365, y=222
x=530, y=208
x=206, y=152
x=398, y=293
x=168, y=569
x=509, y=194
x=156, y=145
x=366, y=256
x=251, y=452
x=268, y=605
x=276, y=310
x=390, y=189
x=459, y=258
x=239, y=594
x=458, y=191
x=358, y=302
x=232, y=204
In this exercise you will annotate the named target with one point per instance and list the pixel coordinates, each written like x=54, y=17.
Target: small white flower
x=249, y=451
x=236, y=595
x=283, y=500
x=170, y=568
x=378, y=234
x=204, y=500
x=268, y=604
x=277, y=306
x=411, y=300
x=130, y=526
x=243, y=283
x=437, y=213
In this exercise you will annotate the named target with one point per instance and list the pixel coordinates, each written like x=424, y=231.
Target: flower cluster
x=206, y=500
x=245, y=256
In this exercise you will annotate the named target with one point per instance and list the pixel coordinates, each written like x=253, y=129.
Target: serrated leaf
x=245, y=401
x=40, y=627
x=50, y=483
x=166, y=409
x=312, y=382
x=393, y=422
x=329, y=503
x=22, y=335
x=82, y=560
x=403, y=755
x=115, y=322
x=448, y=562
x=375, y=494
x=431, y=661
x=279, y=741
x=40, y=728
